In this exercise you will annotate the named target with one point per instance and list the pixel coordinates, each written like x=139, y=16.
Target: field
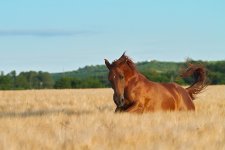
x=85, y=119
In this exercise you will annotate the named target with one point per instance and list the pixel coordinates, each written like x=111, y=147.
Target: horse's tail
x=198, y=72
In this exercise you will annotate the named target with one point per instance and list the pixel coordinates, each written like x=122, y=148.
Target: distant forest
x=96, y=76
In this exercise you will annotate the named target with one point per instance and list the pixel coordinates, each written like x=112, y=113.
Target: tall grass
x=85, y=119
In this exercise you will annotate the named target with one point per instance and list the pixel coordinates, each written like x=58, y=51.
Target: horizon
x=66, y=71
x=56, y=36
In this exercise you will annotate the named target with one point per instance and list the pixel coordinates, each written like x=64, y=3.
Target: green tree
x=6, y=82
x=63, y=83
x=22, y=82
x=45, y=80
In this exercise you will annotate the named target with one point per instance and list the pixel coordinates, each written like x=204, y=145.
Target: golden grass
x=85, y=119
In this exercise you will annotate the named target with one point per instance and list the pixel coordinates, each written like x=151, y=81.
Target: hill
x=96, y=76
x=154, y=70
x=99, y=70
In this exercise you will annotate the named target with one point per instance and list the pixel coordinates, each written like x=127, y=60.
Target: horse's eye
x=121, y=77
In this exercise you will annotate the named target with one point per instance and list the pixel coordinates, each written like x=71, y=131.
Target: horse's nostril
x=122, y=101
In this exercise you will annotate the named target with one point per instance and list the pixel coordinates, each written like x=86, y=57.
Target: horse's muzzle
x=121, y=101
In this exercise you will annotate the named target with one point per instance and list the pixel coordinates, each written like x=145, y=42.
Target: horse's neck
x=132, y=79
x=137, y=78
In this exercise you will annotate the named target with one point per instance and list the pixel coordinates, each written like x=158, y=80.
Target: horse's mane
x=122, y=60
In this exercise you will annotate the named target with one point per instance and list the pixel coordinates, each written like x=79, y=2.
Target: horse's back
x=181, y=97
x=163, y=96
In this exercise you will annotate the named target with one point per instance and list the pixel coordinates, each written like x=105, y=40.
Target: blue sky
x=56, y=35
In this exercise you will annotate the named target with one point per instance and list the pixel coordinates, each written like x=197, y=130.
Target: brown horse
x=133, y=92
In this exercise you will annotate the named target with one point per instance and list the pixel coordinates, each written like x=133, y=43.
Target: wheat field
x=85, y=119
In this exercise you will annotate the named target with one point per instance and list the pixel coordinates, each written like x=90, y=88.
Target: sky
x=57, y=36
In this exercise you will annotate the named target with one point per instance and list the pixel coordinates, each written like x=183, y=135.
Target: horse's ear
x=124, y=53
x=107, y=64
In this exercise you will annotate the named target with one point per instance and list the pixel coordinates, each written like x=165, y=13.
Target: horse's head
x=119, y=72
x=117, y=79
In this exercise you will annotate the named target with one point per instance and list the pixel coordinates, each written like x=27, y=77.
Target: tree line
x=26, y=80
x=96, y=76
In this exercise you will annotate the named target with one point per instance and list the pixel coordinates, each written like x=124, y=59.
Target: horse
x=133, y=92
